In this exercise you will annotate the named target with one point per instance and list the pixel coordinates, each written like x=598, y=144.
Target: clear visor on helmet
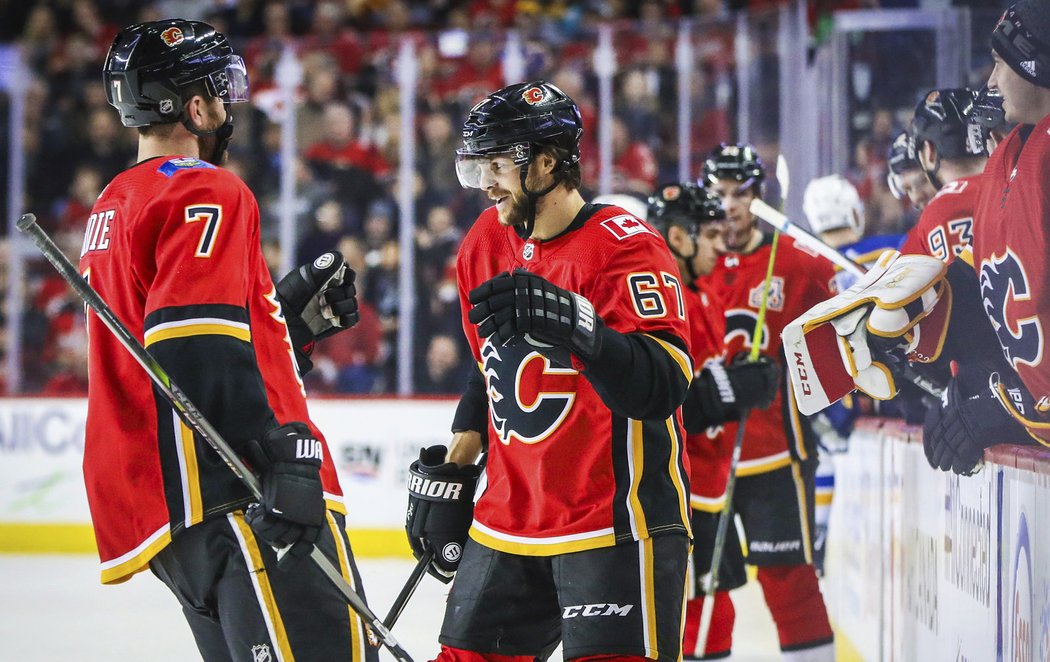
x=230, y=84
x=478, y=171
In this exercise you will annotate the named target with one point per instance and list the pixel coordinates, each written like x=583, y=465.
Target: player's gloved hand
x=970, y=419
x=440, y=509
x=522, y=305
x=721, y=393
x=755, y=383
x=318, y=299
x=292, y=511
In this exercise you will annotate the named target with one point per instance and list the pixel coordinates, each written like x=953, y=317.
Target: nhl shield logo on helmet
x=172, y=36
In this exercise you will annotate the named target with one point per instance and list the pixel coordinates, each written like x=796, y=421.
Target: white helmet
x=628, y=203
x=832, y=203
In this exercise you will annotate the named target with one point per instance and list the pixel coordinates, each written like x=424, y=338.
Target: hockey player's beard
x=511, y=209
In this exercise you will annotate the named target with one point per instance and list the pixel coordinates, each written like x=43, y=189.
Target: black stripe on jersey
x=219, y=374
x=622, y=474
x=198, y=311
x=661, y=500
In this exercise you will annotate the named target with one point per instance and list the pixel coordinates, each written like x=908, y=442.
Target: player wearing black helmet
x=692, y=221
x=905, y=176
x=951, y=149
x=735, y=173
x=774, y=494
x=574, y=314
x=172, y=245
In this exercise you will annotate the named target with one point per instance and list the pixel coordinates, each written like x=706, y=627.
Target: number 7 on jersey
x=212, y=217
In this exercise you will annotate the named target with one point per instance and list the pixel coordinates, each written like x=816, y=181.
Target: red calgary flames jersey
x=172, y=245
x=709, y=452
x=946, y=225
x=800, y=281
x=564, y=473
x=1010, y=247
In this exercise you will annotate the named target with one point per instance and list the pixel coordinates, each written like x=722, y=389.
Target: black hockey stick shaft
x=188, y=412
x=711, y=585
x=408, y=590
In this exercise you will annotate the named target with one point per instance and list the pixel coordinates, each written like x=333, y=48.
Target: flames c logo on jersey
x=515, y=377
x=1003, y=284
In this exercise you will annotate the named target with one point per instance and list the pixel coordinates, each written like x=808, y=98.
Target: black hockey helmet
x=515, y=120
x=900, y=159
x=739, y=162
x=687, y=205
x=150, y=64
x=942, y=118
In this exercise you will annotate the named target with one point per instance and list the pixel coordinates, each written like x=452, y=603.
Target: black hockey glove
x=440, y=509
x=969, y=420
x=318, y=299
x=292, y=511
x=522, y=305
x=720, y=393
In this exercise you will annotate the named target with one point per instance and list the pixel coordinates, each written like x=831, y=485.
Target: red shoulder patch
x=625, y=225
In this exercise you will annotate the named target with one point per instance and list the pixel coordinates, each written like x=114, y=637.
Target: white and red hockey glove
x=903, y=303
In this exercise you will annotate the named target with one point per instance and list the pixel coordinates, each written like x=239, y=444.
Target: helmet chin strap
x=932, y=174
x=688, y=259
x=533, y=197
x=222, y=135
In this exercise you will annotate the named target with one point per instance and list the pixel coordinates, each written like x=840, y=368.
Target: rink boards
x=930, y=566
x=922, y=565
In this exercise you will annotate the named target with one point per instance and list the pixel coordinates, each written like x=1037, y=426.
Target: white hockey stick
x=190, y=415
x=781, y=222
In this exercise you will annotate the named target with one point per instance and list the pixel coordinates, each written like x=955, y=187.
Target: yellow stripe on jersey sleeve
x=211, y=326
x=680, y=357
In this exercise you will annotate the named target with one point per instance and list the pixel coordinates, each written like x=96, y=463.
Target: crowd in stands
x=348, y=137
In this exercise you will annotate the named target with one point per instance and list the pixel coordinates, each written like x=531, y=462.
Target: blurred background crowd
x=348, y=167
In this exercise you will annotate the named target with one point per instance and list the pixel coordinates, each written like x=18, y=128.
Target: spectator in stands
x=443, y=371
x=352, y=167
x=437, y=140
x=328, y=228
x=634, y=164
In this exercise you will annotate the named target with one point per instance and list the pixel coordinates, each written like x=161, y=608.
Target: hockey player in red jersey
x=952, y=151
x=575, y=316
x=692, y=221
x=775, y=490
x=172, y=245
x=905, y=176
x=987, y=313
x=1009, y=402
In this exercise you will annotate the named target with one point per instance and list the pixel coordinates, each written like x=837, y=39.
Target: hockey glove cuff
x=318, y=300
x=440, y=509
x=292, y=510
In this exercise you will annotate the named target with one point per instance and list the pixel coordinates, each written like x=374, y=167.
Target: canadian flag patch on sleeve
x=626, y=226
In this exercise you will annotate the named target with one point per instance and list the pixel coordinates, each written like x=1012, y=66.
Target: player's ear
x=197, y=110
x=927, y=155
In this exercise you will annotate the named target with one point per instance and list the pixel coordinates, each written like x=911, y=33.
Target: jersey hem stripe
x=553, y=546
x=123, y=567
x=763, y=465
x=197, y=327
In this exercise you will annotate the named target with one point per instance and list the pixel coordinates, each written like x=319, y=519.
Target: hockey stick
x=408, y=589
x=781, y=222
x=189, y=414
x=711, y=585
